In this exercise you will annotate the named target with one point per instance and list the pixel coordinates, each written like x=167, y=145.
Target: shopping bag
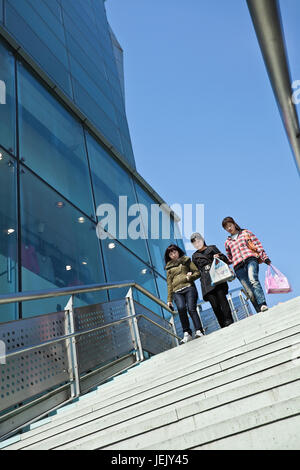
x=276, y=283
x=220, y=272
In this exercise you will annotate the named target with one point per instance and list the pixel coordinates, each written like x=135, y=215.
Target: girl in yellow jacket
x=181, y=274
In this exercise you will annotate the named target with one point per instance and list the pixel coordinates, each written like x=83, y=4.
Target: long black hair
x=230, y=220
x=172, y=248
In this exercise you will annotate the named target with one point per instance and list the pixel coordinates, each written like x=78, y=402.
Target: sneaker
x=264, y=308
x=198, y=334
x=186, y=338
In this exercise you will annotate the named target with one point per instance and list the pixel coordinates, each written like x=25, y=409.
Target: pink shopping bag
x=276, y=283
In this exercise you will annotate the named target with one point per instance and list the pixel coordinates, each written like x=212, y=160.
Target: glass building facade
x=65, y=149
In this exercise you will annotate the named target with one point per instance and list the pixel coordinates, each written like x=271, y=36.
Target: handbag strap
x=274, y=269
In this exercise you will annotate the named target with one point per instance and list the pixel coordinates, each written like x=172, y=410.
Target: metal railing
x=267, y=22
x=239, y=306
x=54, y=358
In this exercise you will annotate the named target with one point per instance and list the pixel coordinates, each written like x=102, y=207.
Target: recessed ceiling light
x=144, y=271
x=60, y=204
x=81, y=220
x=68, y=268
x=10, y=230
x=111, y=245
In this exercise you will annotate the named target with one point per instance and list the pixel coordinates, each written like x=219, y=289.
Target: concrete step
x=184, y=374
x=239, y=427
x=208, y=426
x=186, y=393
x=202, y=351
x=225, y=371
x=199, y=362
x=277, y=435
x=183, y=408
x=233, y=335
x=162, y=423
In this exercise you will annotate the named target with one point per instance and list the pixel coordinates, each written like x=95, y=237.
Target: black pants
x=218, y=300
x=186, y=300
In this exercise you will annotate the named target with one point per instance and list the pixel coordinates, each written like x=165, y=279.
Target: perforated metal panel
x=28, y=374
x=101, y=347
x=154, y=339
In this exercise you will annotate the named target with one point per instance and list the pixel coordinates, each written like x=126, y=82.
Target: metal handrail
x=75, y=380
x=87, y=331
x=66, y=291
x=267, y=23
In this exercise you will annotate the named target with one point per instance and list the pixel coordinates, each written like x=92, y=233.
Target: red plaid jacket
x=237, y=250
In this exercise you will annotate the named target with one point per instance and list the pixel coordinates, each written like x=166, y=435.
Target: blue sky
x=204, y=123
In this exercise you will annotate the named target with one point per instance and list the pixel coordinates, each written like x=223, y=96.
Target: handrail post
x=199, y=310
x=172, y=322
x=75, y=380
x=244, y=304
x=135, y=332
x=233, y=310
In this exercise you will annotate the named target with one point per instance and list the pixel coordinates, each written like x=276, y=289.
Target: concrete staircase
x=238, y=388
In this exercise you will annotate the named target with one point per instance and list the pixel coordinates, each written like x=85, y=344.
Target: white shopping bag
x=220, y=272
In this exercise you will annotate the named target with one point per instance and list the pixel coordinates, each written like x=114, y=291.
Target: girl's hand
x=217, y=255
x=188, y=276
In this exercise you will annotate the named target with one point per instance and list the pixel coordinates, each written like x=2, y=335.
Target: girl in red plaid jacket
x=246, y=252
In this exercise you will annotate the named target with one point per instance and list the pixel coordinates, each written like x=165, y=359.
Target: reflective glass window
x=121, y=265
x=163, y=293
x=33, y=44
x=160, y=233
x=60, y=247
x=7, y=99
x=48, y=16
x=55, y=7
x=111, y=182
x=92, y=88
x=40, y=26
x=52, y=142
x=8, y=234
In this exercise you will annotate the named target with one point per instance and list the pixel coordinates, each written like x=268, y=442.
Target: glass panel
x=52, y=142
x=40, y=24
x=78, y=48
x=55, y=7
x=163, y=294
x=8, y=234
x=7, y=99
x=160, y=230
x=1, y=11
x=110, y=182
x=121, y=265
x=74, y=24
x=59, y=247
x=38, y=49
x=90, y=86
x=90, y=107
x=46, y=14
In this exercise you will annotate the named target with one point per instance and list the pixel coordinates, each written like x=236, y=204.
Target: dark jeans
x=186, y=300
x=218, y=300
x=248, y=277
